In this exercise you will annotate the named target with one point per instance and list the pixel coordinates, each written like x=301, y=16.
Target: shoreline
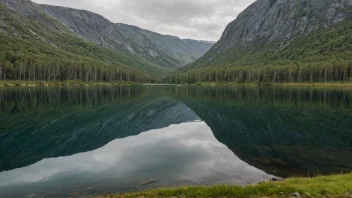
x=119, y=83
x=61, y=83
x=294, y=84
x=322, y=186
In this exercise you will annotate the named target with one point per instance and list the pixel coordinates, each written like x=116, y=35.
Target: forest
x=29, y=60
x=312, y=72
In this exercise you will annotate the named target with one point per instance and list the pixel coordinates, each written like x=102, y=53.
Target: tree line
x=29, y=69
x=30, y=60
x=312, y=72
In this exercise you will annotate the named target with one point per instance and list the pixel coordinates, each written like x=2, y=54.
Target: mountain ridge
x=28, y=21
x=28, y=32
x=164, y=50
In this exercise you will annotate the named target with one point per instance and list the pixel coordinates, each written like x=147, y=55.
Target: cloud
x=196, y=19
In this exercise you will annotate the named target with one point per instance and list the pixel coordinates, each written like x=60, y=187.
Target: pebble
x=297, y=195
x=276, y=179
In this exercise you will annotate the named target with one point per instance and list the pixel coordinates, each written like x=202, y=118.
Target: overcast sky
x=196, y=19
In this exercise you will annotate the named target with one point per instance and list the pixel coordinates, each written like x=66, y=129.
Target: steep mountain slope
x=268, y=26
x=163, y=50
x=92, y=49
x=27, y=31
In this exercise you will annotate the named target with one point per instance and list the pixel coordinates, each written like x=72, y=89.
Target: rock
x=276, y=179
x=324, y=192
x=146, y=182
x=297, y=195
x=349, y=192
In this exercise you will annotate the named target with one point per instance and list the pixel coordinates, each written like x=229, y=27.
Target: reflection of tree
x=284, y=136
x=46, y=123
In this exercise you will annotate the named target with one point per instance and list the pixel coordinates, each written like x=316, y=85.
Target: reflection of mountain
x=69, y=130
x=282, y=141
x=182, y=154
x=280, y=131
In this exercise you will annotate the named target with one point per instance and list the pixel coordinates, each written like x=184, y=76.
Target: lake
x=86, y=141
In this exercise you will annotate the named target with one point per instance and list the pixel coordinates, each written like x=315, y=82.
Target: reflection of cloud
x=185, y=152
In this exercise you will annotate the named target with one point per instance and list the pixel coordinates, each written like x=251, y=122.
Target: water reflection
x=77, y=124
x=108, y=139
x=187, y=154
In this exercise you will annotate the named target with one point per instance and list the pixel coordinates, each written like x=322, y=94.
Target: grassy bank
x=329, y=84
x=324, y=186
x=61, y=83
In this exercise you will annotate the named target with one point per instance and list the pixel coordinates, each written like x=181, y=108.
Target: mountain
x=278, y=32
x=35, y=46
x=88, y=34
x=164, y=50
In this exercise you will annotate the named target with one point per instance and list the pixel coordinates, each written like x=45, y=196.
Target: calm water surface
x=81, y=142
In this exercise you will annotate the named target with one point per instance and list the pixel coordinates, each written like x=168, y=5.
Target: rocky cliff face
x=274, y=23
x=34, y=15
x=164, y=50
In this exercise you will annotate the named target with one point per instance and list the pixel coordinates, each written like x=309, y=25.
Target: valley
x=269, y=42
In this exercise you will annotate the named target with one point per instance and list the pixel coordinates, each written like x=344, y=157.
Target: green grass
x=324, y=186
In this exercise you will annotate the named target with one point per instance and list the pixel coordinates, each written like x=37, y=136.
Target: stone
x=297, y=195
x=276, y=179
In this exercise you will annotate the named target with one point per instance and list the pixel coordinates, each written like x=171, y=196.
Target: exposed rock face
x=32, y=11
x=275, y=23
x=164, y=50
x=22, y=7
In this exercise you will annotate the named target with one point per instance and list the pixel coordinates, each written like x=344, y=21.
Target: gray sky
x=196, y=19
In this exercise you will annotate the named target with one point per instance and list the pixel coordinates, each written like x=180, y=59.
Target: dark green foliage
x=32, y=60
